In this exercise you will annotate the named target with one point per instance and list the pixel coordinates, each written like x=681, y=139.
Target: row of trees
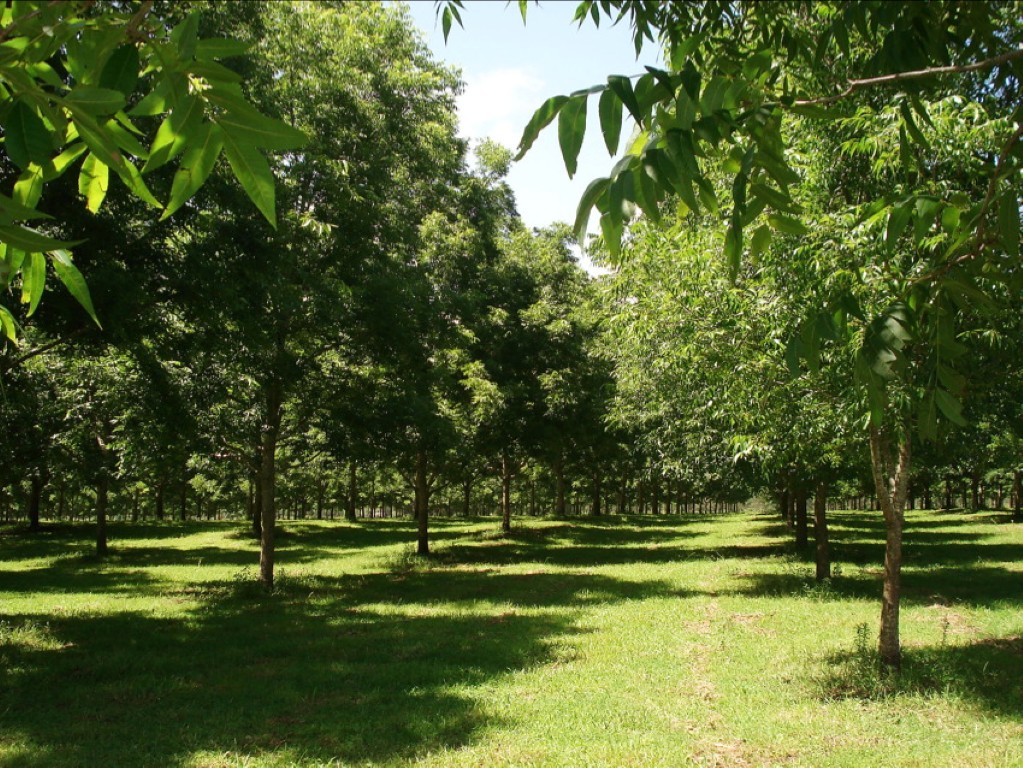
x=388, y=335
x=857, y=166
x=397, y=340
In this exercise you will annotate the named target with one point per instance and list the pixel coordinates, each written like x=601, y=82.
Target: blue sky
x=510, y=69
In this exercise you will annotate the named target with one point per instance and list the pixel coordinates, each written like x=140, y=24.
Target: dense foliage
x=814, y=231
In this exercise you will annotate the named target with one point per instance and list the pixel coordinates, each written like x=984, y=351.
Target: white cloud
x=498, y=103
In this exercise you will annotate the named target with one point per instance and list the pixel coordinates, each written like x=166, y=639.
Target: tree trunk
x=1017, y=495
x=559, y=477
x=506, y=478
x=102, y=492
x=655, y=495
x=422, y=505
x=268, y=482
x=160, y=486
x=975, y=504
x=595, y=498
x=802, y=524
x=351, y=502
x=820, y=531
x=890, y=481
x=183, y=500
x=467, y=496
x=35, y=497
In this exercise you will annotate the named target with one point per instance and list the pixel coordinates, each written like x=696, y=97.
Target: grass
x=614, y=642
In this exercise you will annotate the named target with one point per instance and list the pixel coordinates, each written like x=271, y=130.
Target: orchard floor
x=615, y=642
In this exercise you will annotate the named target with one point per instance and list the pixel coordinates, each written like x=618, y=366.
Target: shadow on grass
x=318, y=671
x=984, y=673
x=977, y=586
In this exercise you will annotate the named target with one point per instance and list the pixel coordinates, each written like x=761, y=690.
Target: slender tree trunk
x=353, y=491
x=506, y=478
x=35, y=497
x=422, y=504
x=268, y=482
x=802, y=523
x=975, y=504
x=655, y=495
x=595, y=498
x=890, y=480
x=102, y=492
x=820, y=531
x=559, y=481
x=135, y=504
x=1017, y=495
x=160, y=487
x=467, y=496
x=319, y=498
x=183, y=500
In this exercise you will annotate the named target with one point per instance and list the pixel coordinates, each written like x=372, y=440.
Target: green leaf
x=8, y=325
x=911, y=126
x=93, y=182
x=185, y=35
x=594, y=191
x=121, y=72
x=760, y=241
x=195, y=167
x=610, y=110
x=29, y=240
x=540, y=120
x=733, y=248
x=249, y=126
x=33, y=281
x=73, y=281
x=181, y=125
x=950, y=407
x=1008, y=222
x=788, y=225
x=925, y=211
x=64, y=160
x=98, y=141
x=28, y=190
x=12, y=210
x=96, y=101
x=26, y=137
x=897, y=221
x=571, y=129
x=611, y=229
x=622, y=88
x=253, y=173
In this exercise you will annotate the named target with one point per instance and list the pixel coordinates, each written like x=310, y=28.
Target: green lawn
x=617, y=642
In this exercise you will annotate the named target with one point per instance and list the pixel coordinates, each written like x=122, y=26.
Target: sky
x=510, y=69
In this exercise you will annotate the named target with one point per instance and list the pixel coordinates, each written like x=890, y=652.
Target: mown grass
x=613, y=642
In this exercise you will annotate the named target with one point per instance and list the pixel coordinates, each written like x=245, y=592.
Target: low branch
x=10, y=366
x=902, y=77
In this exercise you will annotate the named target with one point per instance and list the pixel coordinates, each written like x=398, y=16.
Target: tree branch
x=902, y=77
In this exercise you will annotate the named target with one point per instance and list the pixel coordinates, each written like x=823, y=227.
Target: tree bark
x=102, y=492
x=1017, y=495
x=353, y=491
x=467, y=496
x=802, y=523
x=559, y=479
x=820, y=531
x=160, y=486
x=183, y=500
x=506, y=478
x=595, y=499
x=35, y=497
x=268, y=482
x=422, y=491
x=890, y=480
